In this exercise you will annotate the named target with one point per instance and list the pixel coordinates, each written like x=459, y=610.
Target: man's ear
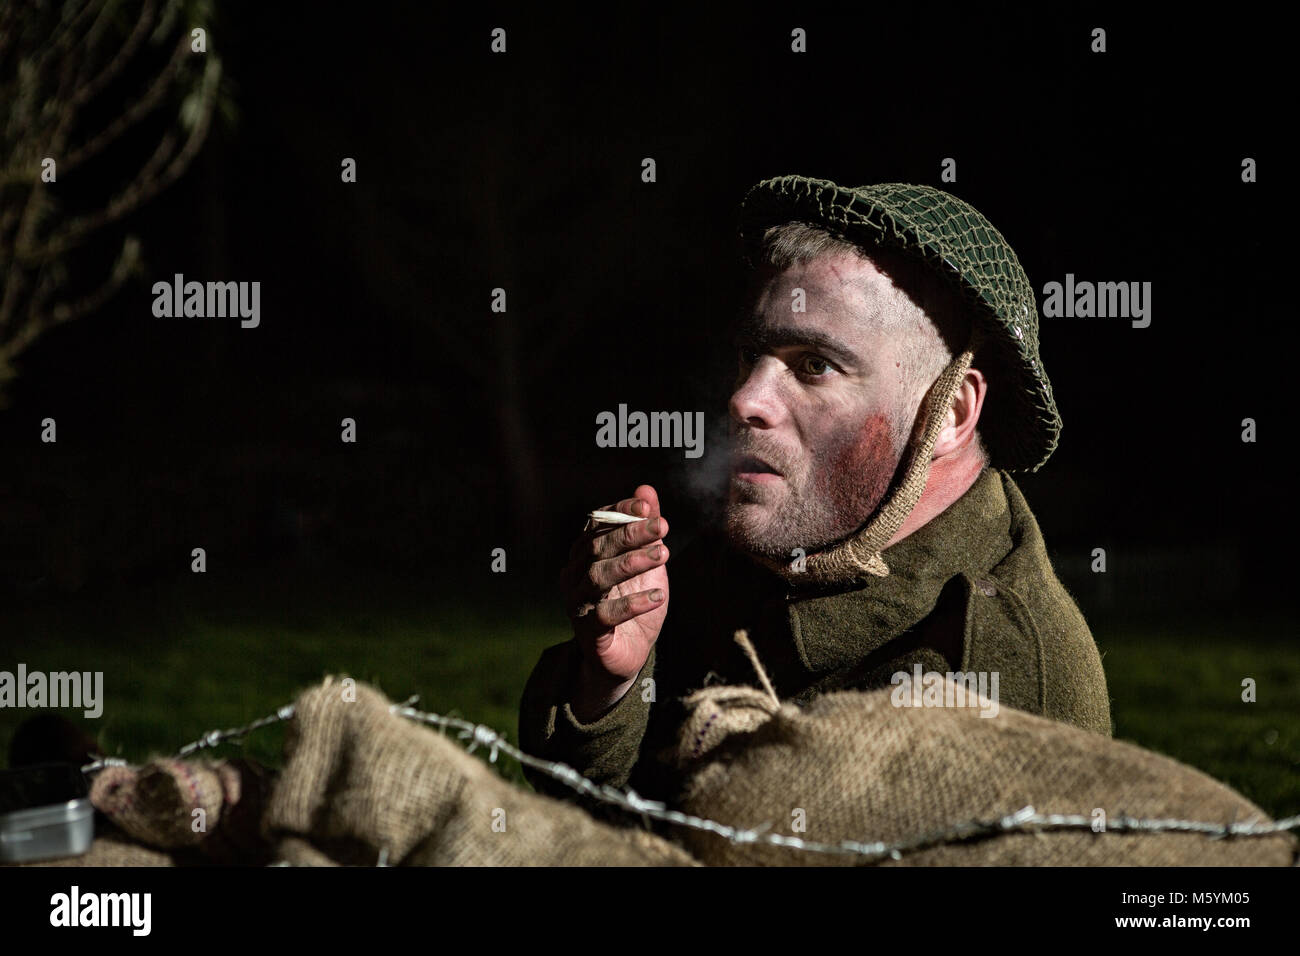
x=962, y=416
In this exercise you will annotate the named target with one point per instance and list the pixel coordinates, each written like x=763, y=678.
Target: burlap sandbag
x=363, y=783
x=167, y=803
x=148, y=814
x=213, y=807
x=360, y=780
x=852, y=766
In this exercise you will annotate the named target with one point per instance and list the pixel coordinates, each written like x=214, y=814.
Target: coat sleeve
x=604, y=751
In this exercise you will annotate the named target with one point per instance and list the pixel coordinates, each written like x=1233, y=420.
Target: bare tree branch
x=65, y=312
x=140, y=191
x=68, y=57
x=63, y=37
x=141, y=108
x=120, y=59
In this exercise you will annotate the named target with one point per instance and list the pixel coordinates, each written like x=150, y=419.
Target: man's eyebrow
x=769, y=337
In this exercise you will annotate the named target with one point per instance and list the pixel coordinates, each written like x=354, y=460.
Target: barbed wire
x=1026, y=819
x=211, y=739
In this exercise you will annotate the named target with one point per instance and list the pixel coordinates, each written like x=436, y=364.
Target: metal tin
x=47, y=833
x=46, y=813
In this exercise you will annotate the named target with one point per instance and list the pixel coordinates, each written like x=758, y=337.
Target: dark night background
x=522, y=170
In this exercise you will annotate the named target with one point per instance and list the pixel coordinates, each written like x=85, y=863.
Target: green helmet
x=1020, y=424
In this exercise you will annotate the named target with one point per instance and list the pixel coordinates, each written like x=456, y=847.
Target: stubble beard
x=818, y=501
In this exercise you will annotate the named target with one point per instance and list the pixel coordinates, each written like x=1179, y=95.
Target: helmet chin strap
x=859, y=554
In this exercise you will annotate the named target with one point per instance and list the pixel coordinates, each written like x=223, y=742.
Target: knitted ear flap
x=860, y=553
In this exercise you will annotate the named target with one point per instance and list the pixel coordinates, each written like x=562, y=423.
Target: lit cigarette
x=612, y=517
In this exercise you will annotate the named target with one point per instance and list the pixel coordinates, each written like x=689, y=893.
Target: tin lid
x=54, y=814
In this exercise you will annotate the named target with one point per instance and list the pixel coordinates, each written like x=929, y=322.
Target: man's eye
x=813, y=365
x=748, y=356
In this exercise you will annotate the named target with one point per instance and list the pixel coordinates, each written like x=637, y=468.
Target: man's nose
x=757, y=401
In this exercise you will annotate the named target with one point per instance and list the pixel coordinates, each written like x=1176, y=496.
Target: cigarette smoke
x=707, y=479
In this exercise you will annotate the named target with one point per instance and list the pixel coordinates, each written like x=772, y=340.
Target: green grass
x=1176, y=687
x=201, y=654
x=195, y=657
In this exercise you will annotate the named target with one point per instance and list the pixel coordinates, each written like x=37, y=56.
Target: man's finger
x=639, y=504
x=608, y=615
x=638, y=507
x=648, y=494
x=604, y=575
x=608, y=544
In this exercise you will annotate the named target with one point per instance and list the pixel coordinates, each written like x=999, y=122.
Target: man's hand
x=615, y=588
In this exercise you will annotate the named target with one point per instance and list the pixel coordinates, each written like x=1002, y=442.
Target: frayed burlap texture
x=167, y=803
x=159, y=805
x=360, y=781
x=852, y=766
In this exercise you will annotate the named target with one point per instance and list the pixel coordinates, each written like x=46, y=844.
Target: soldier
x=889, y=384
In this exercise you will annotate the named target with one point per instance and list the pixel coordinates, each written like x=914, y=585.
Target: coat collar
x=837, y=627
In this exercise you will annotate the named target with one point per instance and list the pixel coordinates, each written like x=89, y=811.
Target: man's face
x=820, y=415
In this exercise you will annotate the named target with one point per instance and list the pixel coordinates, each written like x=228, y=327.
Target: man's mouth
x=753, y=468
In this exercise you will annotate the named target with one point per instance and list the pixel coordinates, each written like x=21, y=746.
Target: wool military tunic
x=971, y=590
